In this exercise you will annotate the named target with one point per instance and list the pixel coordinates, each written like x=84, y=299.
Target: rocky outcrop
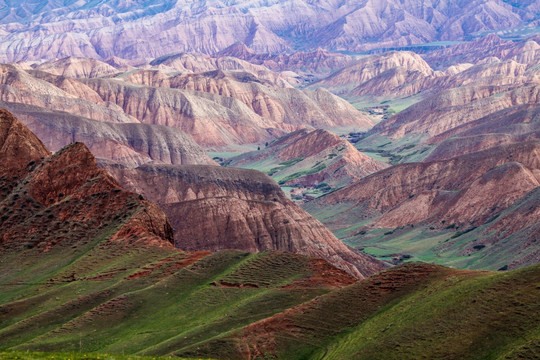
x=215, y=208
x=18, y=146
x=64, y=200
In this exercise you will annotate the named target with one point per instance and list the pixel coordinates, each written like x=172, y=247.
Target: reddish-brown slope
x=337, y=161
x=65, y=199
x=216, y=208
x=466, y=190
x=18, y=146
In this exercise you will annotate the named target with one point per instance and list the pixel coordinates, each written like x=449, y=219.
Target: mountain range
x=34, y=30
x=269, y=179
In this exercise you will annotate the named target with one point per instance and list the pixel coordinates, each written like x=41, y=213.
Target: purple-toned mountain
x=139, y=29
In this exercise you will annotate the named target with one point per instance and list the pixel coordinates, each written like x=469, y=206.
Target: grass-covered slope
x=309, y=163
x=152, y=301
x=414, y=311
x=86, y=266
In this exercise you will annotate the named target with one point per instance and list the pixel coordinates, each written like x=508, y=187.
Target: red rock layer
x=214, y=208
x=65, y=199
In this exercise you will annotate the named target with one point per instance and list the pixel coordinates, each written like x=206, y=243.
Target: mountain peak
x=18, y=145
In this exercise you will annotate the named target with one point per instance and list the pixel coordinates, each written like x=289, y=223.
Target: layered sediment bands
x=257, y=115
x=215, y=208
x=452, y=108
x=136, y=31
x=132, y=144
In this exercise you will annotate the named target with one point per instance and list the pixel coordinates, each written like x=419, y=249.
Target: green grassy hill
x=414, y=311
x=274, y=304
x=170, y=301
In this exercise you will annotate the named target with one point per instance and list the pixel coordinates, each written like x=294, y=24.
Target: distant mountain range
x=49, y=29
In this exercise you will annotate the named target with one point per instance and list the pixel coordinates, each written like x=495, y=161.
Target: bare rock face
x=215, y=208
x=135, y=30
x=132, y=144
x=76, y=68
x=18, y=146
x=65, y=200
x=457, y=106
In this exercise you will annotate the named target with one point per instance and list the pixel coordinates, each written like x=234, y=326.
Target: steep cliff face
x=64, y=200
x=215, y=208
